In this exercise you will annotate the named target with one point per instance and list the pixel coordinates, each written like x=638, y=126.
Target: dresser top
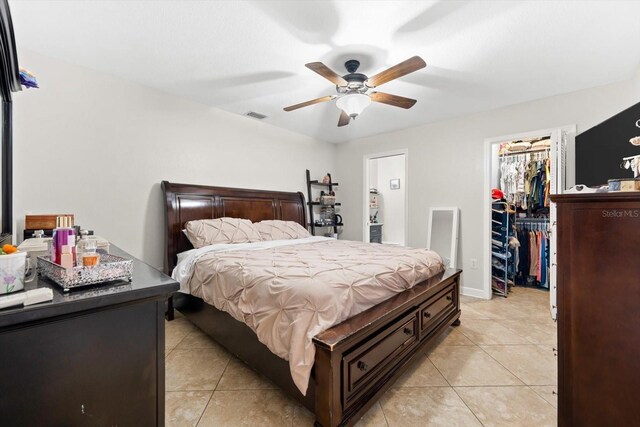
x=618, y=196
x=147, y=282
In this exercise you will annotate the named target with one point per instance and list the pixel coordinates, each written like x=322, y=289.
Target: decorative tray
x=110, y=268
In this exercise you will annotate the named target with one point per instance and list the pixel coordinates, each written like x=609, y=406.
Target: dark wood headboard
x=187, y=202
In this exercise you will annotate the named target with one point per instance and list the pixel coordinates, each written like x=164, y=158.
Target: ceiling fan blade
x=327, y=73
x=395, y=100
x=399, y=70
x=344, y=120
x=306, y=104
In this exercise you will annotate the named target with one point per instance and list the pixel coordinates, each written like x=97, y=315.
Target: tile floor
x=496, y=369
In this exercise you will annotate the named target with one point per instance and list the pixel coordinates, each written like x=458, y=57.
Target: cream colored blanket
x=288, y=291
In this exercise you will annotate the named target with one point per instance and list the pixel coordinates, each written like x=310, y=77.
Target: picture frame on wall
x=395, y=184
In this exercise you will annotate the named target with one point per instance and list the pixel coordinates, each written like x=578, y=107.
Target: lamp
x=353, y=103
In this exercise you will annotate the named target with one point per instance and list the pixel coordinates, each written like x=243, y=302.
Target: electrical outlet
x=474, y=263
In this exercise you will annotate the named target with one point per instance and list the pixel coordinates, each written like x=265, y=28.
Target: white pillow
x=204, y=232
x=280, y=230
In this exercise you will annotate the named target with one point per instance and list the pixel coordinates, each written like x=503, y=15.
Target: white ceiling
x=250, y=55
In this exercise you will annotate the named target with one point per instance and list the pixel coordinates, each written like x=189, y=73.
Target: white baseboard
x=473, y=292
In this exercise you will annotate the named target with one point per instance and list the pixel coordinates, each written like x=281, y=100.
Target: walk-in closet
x=524, y=172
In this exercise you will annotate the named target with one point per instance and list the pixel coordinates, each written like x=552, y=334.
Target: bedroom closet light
x=353, y=104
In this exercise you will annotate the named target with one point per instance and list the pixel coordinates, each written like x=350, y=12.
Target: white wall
x=98, y=146
x=391, y=202
x=446, y=164
x=636, y=81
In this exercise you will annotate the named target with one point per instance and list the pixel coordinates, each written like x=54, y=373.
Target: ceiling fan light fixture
x=353, y=103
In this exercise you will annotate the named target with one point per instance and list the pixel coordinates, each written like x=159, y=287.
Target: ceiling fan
x=353, y=88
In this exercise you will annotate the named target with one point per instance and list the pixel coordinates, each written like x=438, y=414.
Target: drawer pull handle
x=427, y=314
x=408, y=331
x=362, y=366
x=449, y=298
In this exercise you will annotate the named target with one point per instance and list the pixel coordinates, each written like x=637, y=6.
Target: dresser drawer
x=371, y=358
x=435, y=309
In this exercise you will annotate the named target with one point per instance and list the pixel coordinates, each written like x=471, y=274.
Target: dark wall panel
x=599, y=150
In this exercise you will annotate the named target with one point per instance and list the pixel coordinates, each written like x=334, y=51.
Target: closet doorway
x=385, y=198
x=521, y=171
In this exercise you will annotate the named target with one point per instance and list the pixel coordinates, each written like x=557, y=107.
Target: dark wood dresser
x=89, y=357
x=598, y=309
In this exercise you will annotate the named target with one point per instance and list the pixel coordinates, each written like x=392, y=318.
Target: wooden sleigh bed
x=357, y=360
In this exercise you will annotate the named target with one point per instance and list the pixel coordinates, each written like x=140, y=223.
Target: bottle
x=63, y=236
x=80, y=246
x=90, y=256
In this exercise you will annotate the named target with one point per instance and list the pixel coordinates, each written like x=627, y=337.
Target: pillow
x=281, y=230
x=204, y=232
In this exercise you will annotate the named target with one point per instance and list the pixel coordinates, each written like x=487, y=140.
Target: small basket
x=111, y=268
x=328, y=200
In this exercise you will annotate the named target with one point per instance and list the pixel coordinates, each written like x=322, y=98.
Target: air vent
x=255, y=115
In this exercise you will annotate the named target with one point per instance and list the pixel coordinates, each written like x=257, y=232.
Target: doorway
x=519, y=219
x=385, y=198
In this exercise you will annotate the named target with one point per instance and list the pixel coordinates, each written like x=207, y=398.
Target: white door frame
x=488, y=144
x=404, y=186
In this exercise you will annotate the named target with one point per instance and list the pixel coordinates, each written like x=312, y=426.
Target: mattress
x=288, y=291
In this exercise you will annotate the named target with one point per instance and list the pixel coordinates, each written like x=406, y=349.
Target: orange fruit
x=9, y=249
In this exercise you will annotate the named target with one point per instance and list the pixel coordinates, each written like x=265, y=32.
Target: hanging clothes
x=524, y=179
x=533, y=257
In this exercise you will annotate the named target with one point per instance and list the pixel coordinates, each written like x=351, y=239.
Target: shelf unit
x=312, y=204
x=502, y=271
x=375, y=228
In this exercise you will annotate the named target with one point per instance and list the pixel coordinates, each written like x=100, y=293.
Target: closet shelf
x=324, y=204
x=497, y=243
x=501, y=255
x=322, y=184
x=499, y=267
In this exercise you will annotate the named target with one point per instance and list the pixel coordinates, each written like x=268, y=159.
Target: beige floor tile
x=490, y=332
x=373, y=418
x=175, y=331
x=452, y=336
x=197, y=339
x=547, y=392
x=184, y=408
x=500, y=308
x=429, y=406
x=422, y=373
x=238, y=376
x=533, y=330
x=195, y=369
x=468, y=312
x=517, y=331
x=533, y=364
x=302, y=417
x=469, y=300
x=508, y=406
x=470, y=366
x=249, y=408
